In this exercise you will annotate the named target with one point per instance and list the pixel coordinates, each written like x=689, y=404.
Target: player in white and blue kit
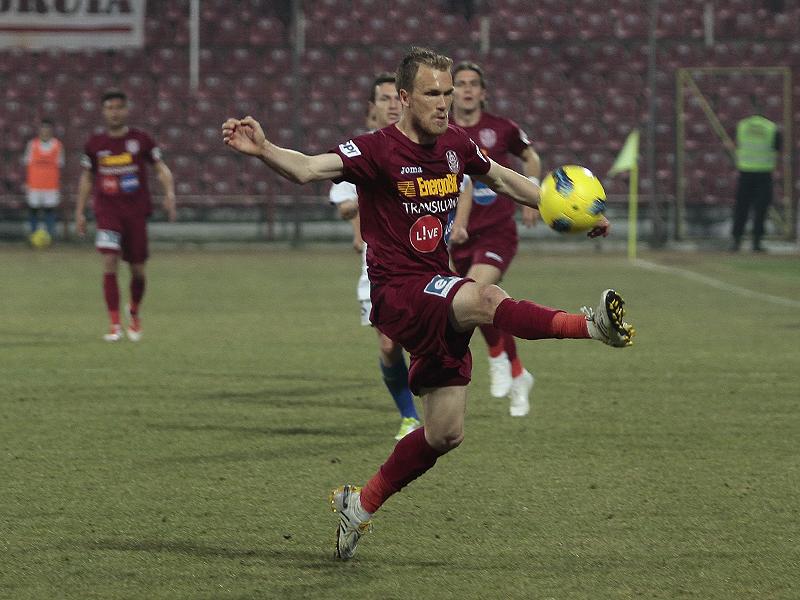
x=384, y=109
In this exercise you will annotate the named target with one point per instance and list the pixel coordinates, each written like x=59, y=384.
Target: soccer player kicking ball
x=115, y=173
x=408, y=175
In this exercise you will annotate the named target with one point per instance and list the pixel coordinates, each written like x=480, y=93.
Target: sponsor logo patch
x=441, y=286
x=410, y=170
x=129, y=183
x=109, y=184
x=407, y=189
x=116, y=160
x=443, y=186
x=349, y=149
x=425, y=234
x=482, y=194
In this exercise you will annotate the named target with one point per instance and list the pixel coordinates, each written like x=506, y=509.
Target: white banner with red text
x=72, y=24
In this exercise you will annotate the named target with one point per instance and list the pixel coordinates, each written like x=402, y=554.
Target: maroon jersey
x=407, y=194
x=120, y=173
x=497, y=138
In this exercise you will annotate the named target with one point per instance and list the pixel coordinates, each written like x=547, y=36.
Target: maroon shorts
x=122, y=233
x=496, y=246
x=414, y=311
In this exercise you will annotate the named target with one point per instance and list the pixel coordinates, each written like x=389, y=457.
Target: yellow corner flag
x=628, y=160
x=629, y=155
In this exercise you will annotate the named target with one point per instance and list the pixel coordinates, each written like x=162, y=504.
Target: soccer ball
x=572, y=199
x=40, y=239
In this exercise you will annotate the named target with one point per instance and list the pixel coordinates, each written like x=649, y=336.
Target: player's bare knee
x=445, y=441
x=390, y=352
x=490, y=298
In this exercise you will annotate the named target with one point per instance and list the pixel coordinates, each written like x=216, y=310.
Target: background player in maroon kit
x=484, y=239
x=408, y=176
x=115, y=173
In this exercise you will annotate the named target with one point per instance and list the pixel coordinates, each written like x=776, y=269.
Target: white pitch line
x=716, y=283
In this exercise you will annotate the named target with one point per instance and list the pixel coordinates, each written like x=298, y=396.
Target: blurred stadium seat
x=572, y=75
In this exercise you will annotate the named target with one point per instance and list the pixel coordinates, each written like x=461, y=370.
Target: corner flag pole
x=633, y=204
x=628, y=160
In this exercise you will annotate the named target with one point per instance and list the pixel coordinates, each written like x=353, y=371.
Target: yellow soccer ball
x=40, y=239
x=573, y=199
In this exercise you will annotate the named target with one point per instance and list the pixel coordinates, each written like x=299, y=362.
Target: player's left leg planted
x=111, y=295
x=522, y=380
x=413, y=455
x=137, y=287
x=499, y=365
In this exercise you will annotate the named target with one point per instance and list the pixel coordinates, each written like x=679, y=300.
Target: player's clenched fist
x=244, y=135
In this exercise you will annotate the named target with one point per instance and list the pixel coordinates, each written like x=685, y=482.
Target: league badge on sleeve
x=349, y=149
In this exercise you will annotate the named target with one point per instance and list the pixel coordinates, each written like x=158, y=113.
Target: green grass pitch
x=196, y=464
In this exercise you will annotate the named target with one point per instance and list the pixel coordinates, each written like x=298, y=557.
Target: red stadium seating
x=573, y=75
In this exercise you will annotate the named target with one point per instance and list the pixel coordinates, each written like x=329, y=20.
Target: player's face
x=115, y=113
x=386, y=108
x=468, y=93
x=429, y=102
x=45, y=132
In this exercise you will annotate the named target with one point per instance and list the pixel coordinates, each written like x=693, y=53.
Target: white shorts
x=362, y=291
x=43, y=198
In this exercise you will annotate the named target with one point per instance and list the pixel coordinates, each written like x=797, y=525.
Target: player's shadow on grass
x=271, y=431
x=286, y=557
x=19, y=339
x=329, y=396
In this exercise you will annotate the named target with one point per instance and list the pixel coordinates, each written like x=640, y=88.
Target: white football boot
x=499, y=375
x=606, y=322
x=354, y=521
x=521, y=387
x=114, y=334
x=134, y=329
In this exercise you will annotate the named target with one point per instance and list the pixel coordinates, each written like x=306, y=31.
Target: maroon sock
x=530, y=321
x=510, y=346
x=494, y=339
x=412, y=456
x=111, y=293
x=137, y=293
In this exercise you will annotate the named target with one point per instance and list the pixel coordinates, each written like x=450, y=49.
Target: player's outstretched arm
x=84, y=189
x=510, y=183
x=168, y=185
x=247, y=136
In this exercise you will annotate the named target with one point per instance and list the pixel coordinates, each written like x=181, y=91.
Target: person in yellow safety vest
x=758, y=143
x=44, y=159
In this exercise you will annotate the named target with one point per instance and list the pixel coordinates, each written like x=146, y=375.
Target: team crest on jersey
x=488, y=137
x=132, y=146
x=452, y=161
